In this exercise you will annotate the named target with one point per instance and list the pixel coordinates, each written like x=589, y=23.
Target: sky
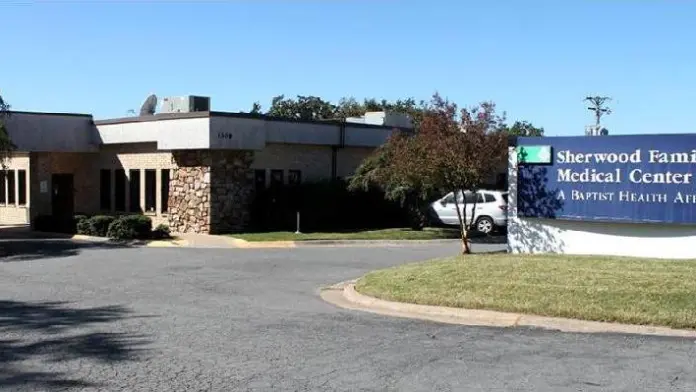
x=537, y=60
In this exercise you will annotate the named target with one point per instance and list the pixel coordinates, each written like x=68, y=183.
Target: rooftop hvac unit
x=186, y=104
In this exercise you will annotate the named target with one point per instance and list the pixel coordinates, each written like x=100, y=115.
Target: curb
x=240, y=243
x=344, y=295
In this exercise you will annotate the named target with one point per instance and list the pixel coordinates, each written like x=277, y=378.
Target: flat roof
x=10, y=112
x=178, y=116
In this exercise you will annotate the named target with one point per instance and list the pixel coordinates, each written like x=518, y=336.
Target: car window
x=489, y=198
x=505, y=196
x=470, y=197
x=449, y=199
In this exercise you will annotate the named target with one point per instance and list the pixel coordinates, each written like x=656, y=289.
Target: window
x=150, y=190
x=260, y=178
x=22, y=190
x=489, y=198
x=134, y=176
x=105, y=190
x=276, y=177
x=120, y=189
x=11, y=187
x=470, y=198
x=505, y=197
x=3, y=194
x=294, y=177
x=164, y=194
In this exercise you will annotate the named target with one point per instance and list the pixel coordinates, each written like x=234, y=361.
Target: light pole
x=597, y=105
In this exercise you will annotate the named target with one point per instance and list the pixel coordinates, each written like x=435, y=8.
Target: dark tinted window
x=105, y=189
x=22, y=187
x=165, y=190
x=120, y=189
x=260, y=178
x=134, y=183
x=3, y=195
x=11, y=187
x=150, y=190
x=276, y=177
x=294, y=177
x=505, y=196
x=488, y=198
x=470, y=198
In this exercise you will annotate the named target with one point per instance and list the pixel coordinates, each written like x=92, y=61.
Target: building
x=195, y=171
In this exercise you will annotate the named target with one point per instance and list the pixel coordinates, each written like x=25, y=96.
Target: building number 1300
x=224, y=135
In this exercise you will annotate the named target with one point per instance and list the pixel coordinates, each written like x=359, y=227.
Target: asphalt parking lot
x=143, y=319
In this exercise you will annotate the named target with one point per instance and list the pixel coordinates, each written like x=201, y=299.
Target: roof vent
x=185, y=104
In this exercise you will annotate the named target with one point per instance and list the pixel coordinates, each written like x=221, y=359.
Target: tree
x=523, y=128
x=255, y=108
x=315, y=108
x=302, y=108
x=6, y=145
x=453, y=151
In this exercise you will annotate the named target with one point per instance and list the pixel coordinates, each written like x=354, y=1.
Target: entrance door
x=62, y=195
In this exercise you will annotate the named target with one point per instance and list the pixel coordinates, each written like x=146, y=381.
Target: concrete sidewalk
x=344, y=295
x=190, y=240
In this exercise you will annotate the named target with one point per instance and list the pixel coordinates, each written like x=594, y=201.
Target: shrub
x=161, y=231
x=128, y=227
x=82, y=224
x=97, y=225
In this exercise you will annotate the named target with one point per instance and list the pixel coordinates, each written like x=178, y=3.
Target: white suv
x=489, y=211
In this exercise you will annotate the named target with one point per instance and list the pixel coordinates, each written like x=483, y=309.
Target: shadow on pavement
x=19, y=243
x=32, y=249
x=45, y=332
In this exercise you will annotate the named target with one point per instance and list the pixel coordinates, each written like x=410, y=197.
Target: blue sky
x=536, y=59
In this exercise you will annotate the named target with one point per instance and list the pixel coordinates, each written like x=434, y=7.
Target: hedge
x=122, y=227
x=323, y=206
x=128, y=227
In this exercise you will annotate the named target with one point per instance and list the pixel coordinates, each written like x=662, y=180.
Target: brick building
x=194, y=171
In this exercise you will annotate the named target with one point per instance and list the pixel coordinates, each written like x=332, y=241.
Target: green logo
x=534, y=154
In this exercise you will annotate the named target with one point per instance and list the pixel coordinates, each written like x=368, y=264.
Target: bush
x=82, y=224
x=128, y=227
x=95, y=226
x=161, y=231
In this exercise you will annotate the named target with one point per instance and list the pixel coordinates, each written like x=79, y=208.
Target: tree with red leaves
x=452, y=151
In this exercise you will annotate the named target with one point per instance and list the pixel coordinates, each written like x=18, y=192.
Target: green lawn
x=627, y=290
x=387, y=234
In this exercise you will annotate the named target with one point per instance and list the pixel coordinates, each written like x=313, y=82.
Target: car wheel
x=484, y=225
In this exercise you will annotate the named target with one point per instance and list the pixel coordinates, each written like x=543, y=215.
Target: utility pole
x=599, y=107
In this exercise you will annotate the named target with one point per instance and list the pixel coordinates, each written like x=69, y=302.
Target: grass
x=386, y=234
x=626, y=290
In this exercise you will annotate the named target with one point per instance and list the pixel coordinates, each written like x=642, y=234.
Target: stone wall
x=189, y=193
x=210, y=191
x=231, y=190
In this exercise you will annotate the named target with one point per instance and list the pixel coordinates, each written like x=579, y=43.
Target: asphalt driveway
x=97, y=318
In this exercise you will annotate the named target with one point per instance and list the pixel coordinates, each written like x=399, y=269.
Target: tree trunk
x=461, y=215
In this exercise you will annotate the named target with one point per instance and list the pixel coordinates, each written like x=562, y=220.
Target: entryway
x=62, y=195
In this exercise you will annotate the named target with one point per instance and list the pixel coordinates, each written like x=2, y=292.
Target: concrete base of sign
x=535, y=235
x=527, y=235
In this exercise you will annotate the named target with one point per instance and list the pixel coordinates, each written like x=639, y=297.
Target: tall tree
x=453, y=151
x=6, y=145
x=524, y=128
x=301, y=108
x=255, y=108
x=349, y=107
